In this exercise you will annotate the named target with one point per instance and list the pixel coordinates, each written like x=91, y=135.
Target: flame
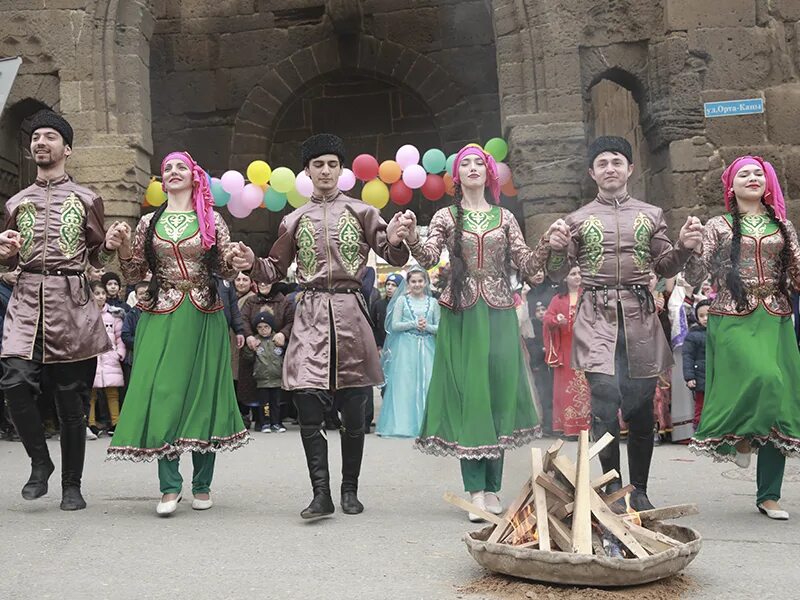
x=632, y=515
x=523, y=525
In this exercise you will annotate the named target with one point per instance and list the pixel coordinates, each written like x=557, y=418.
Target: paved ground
x=407, y=545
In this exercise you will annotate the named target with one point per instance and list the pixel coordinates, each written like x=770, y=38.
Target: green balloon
x=274, y=200
x=434, y=161
x=450, y=160
x=221, y=197
x=498, y=148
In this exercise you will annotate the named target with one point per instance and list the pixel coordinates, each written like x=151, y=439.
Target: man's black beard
x=46, y=163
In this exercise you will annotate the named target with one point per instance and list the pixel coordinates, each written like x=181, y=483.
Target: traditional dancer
x=479, y=400
x=412, y=320
x=181, y=397
x=752, y=360
x=616, y=240
x=331, y=359
x=52, y=328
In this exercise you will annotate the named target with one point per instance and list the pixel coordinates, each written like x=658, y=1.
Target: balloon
x=295, y=199
x=154, y=194
x=208, y=178
x=414, y=176
x=365, y=167
x=450, y=160
x=303, y=185
x=504, y=172
x=232, y=181
x=144, y=201
x=375, y=193
x=497, y=147
x=259, y=172
x=282, y=179
x=237, y=208
x=252, y=196
x=221, y=197
x=347, y=180
x=406, y=156
x=434, y=161
x=390, y=171
x=400, y=193
x=509, y=189
x=274, y=200
x=433, y=188
x=449, y=185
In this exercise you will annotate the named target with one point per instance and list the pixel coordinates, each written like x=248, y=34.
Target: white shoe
x=478, y=499
x=743, y=459
x=492, y=502
x=90, y=435
x=198, y=504
x=164, y=509
x=778, y=515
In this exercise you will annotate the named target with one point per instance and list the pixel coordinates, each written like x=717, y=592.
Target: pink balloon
x=304, y=185
x=347, y=180
x=414, y=176
x=237, y=208
x=232, y=181
x=407, y=156
x=504, y=172
x=252, y=196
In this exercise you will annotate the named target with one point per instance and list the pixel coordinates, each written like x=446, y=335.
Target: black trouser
x=269, y=398
x=635, y=398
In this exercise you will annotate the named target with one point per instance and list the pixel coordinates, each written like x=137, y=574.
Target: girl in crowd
x=479, y=400
x=412, y=319
x=181, y=396
x=571, y=397
x=244, y=289
x=752, y=360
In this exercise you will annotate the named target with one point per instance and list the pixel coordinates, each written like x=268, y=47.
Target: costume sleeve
x=378, y=239
x=398, y=321
x=528, y=261
x=558, y=264
x=794, y=263
x=135, y=268
x=274, y=267
x=700, y=265
x=427, y=253
x=237, y=323
x=224, y=269
x=433, y=322
x=689, y=351
x=96, y=235
x=668, y=260
x=288, y=319
x=119, y=345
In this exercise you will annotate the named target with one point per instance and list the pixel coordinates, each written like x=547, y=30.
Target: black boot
x=316, y=448
x=640, y=453
x=73, y=451
x=352, y=453
x=25, y=415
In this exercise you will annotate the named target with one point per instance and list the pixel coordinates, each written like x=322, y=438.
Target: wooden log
x=501, y=531
x=540, y=498
x=582, y=513
x=605, y=479
x=469, y=507
x=598, y=446
x=552, y=452
x=669, y=512
x=561, y=534
x=549, y=483
x=618, y=495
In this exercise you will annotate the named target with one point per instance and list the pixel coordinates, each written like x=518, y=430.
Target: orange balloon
x=509, y=189
x=389, y=171
x=145, y=202
x=449, y=186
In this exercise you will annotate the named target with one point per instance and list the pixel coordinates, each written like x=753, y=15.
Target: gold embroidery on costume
x=306, y=248
x=755, y=225
x=26, y=219
x=69, y=234
x=642, y=232
x=592, y=238
x=349, y=241
x=175, y=224
x=478, y=221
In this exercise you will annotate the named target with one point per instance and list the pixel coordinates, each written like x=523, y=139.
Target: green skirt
x=752, y=385
x=180, y=397
x=479, y=400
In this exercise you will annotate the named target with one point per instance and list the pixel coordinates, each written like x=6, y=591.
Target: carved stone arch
x=455, y=119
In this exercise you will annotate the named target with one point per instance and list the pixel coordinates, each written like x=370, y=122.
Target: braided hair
x=458, y=266
x=209, y=261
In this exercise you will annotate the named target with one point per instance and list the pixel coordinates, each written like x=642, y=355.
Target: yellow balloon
x=295, y=198
x=282, y=180
x=259, y=172
x=375, y=193
x=154, y=195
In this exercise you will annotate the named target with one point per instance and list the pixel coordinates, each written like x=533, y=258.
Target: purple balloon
x=347, y=180
x=503, y=173
x=407, y=156
x=414, y=176
x=232, y=181
x=237, y=208
x=304, y=185
x=252, y=196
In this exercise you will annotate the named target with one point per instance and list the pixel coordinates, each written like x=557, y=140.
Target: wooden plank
x=561, y=534
x=549, y=483
x=669, y=512
x=598, y=446
x=540, y=499
x=652, y=541
x=605, y=479
x=618, y=495
x=564, y=511
x=469, y=507
x=521, y=500
x=551, y=453
x=582, y=513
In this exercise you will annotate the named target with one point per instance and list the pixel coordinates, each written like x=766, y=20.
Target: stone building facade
x=236, y=80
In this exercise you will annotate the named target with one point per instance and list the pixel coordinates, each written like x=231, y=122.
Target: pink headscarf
x=773, y=196
x=492, y=176
x=201, y=197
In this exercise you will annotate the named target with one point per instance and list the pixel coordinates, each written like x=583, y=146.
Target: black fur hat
x=322, y=143
x=47, y=118
x=610, y=143
x=264, y=317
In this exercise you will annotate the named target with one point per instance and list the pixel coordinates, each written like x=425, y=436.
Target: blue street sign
x=732, y=108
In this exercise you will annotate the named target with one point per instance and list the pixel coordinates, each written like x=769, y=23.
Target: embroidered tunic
x=617, y=243
x=61, y=228
x=332, y=346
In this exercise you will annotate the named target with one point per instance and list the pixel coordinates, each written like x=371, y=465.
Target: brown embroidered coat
x=616, y=244
x=330, y=238
x=61, y=227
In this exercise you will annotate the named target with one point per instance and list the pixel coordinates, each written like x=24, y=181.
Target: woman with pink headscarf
x=752, y=359
x=181, y=396
x=479, y=400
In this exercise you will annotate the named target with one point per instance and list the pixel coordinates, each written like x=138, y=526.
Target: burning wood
x=561, y=509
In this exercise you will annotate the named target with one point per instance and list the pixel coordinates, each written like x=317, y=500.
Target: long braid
x=458, y=266
x=785, y=257
x=152, y=258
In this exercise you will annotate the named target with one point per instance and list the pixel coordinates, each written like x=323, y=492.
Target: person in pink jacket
x=108, y=375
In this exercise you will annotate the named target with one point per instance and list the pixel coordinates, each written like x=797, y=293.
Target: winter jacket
x=129, y=332
x=694, y=357
x=268, y=366
x=230, y=303
x=109, y=364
